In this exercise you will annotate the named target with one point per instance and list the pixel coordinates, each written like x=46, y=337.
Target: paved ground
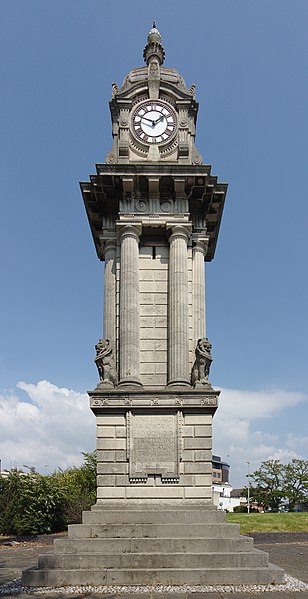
x=289, y=552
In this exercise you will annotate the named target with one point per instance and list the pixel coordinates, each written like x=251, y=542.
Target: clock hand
x=144, y=118
x=161, y=118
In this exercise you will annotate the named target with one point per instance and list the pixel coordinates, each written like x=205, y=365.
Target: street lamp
x=248, y=489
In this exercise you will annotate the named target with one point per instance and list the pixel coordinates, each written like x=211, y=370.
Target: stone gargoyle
x=105, y=363
x=202, y=363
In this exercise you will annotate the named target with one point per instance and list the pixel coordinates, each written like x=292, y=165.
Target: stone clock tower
x=154, y=210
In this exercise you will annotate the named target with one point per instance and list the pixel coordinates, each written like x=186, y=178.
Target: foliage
x=32, y=504
x=79, y=486
x=240, y=509
x=285, y=522
x=296, y=482
x=273, y=482
x=267, y=485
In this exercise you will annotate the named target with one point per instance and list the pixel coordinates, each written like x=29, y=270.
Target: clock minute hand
x=161, y=118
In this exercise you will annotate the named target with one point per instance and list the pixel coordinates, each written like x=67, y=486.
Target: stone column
x=200, y=246
x=129, y=336
x=110, y=291
x=178, y=333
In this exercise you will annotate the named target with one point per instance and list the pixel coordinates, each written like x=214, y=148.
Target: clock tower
x=154, y=211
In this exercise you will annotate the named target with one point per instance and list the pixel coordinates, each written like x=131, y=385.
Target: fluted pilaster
x=200, y=246
x=129, y=305
x=110, y=291
x=178, y=333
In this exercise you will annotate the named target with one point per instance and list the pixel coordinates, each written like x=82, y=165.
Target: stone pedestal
x=154, y=445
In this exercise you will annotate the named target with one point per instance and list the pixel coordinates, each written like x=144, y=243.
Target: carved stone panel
x=154, y=445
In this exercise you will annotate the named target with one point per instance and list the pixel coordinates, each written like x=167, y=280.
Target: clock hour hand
x=144, y=118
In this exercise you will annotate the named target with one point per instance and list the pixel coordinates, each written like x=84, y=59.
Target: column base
x=179, y=383
x=130, y=385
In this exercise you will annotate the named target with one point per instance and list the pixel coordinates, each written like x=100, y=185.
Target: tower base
x=160, y=543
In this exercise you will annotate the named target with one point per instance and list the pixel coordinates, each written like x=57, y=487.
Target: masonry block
x=106, y=456
x=198, y=492
x=187, y=431
x=203, y=480
x=120, y=432
x=198, y=443
x=198, y=468
x=197, y=419
x=161, y=492
x=111, y=443
x=120, y=456
x=112, y=468
x=203, y=431
x=105, y=431
x=111, y=419
x=105, y=480
x=111, y=493
x=202, y=455
x=188, y=455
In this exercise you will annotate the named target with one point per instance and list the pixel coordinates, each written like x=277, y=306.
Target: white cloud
x=238, y=440
x=51, y=425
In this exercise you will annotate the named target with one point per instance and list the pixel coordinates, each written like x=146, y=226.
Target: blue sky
x=58, y=59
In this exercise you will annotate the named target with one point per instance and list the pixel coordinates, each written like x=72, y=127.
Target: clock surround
x=154, y=122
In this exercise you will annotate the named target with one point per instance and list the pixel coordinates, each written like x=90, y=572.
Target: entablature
x=154, y=193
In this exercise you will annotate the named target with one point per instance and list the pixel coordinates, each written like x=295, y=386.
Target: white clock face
x=154, y=122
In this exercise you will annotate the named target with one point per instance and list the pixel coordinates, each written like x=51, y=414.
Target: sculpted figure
x=115, y=89
x=105, y=362
x=202, y=364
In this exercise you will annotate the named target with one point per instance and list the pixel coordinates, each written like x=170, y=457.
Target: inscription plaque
x=154, y=445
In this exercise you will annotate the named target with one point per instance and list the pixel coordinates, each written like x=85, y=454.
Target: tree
x=275, y=481
x=267, y=484
x=296, y=482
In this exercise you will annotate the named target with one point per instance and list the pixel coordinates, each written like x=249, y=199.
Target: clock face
x=154, y=122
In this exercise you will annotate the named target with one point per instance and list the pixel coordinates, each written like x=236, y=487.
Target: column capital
x=200, y=243
x=108, y=242
x=179, y=230
x=131, y=229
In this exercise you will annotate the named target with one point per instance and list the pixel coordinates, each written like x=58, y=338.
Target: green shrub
x=240, y=509
x=30, y=505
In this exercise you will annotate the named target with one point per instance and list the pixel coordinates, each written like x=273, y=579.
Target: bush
x=240, y=509
x=30, y=505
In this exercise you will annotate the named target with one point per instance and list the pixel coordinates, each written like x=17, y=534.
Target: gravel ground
x=15, y=588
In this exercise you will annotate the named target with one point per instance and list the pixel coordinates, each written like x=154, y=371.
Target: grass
x=285, y=522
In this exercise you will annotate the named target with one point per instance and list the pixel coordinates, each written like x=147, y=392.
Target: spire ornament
x=154, y=49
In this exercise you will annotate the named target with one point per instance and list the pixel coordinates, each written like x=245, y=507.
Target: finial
x=154, y=46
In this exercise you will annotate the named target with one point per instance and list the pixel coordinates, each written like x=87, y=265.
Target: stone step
x=159, y=545
x=153, y=517
x=155, y=530
x=88, y=561
x=156, y=505
x=147, y=576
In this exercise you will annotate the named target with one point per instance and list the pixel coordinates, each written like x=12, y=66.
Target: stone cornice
x=194, y=184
